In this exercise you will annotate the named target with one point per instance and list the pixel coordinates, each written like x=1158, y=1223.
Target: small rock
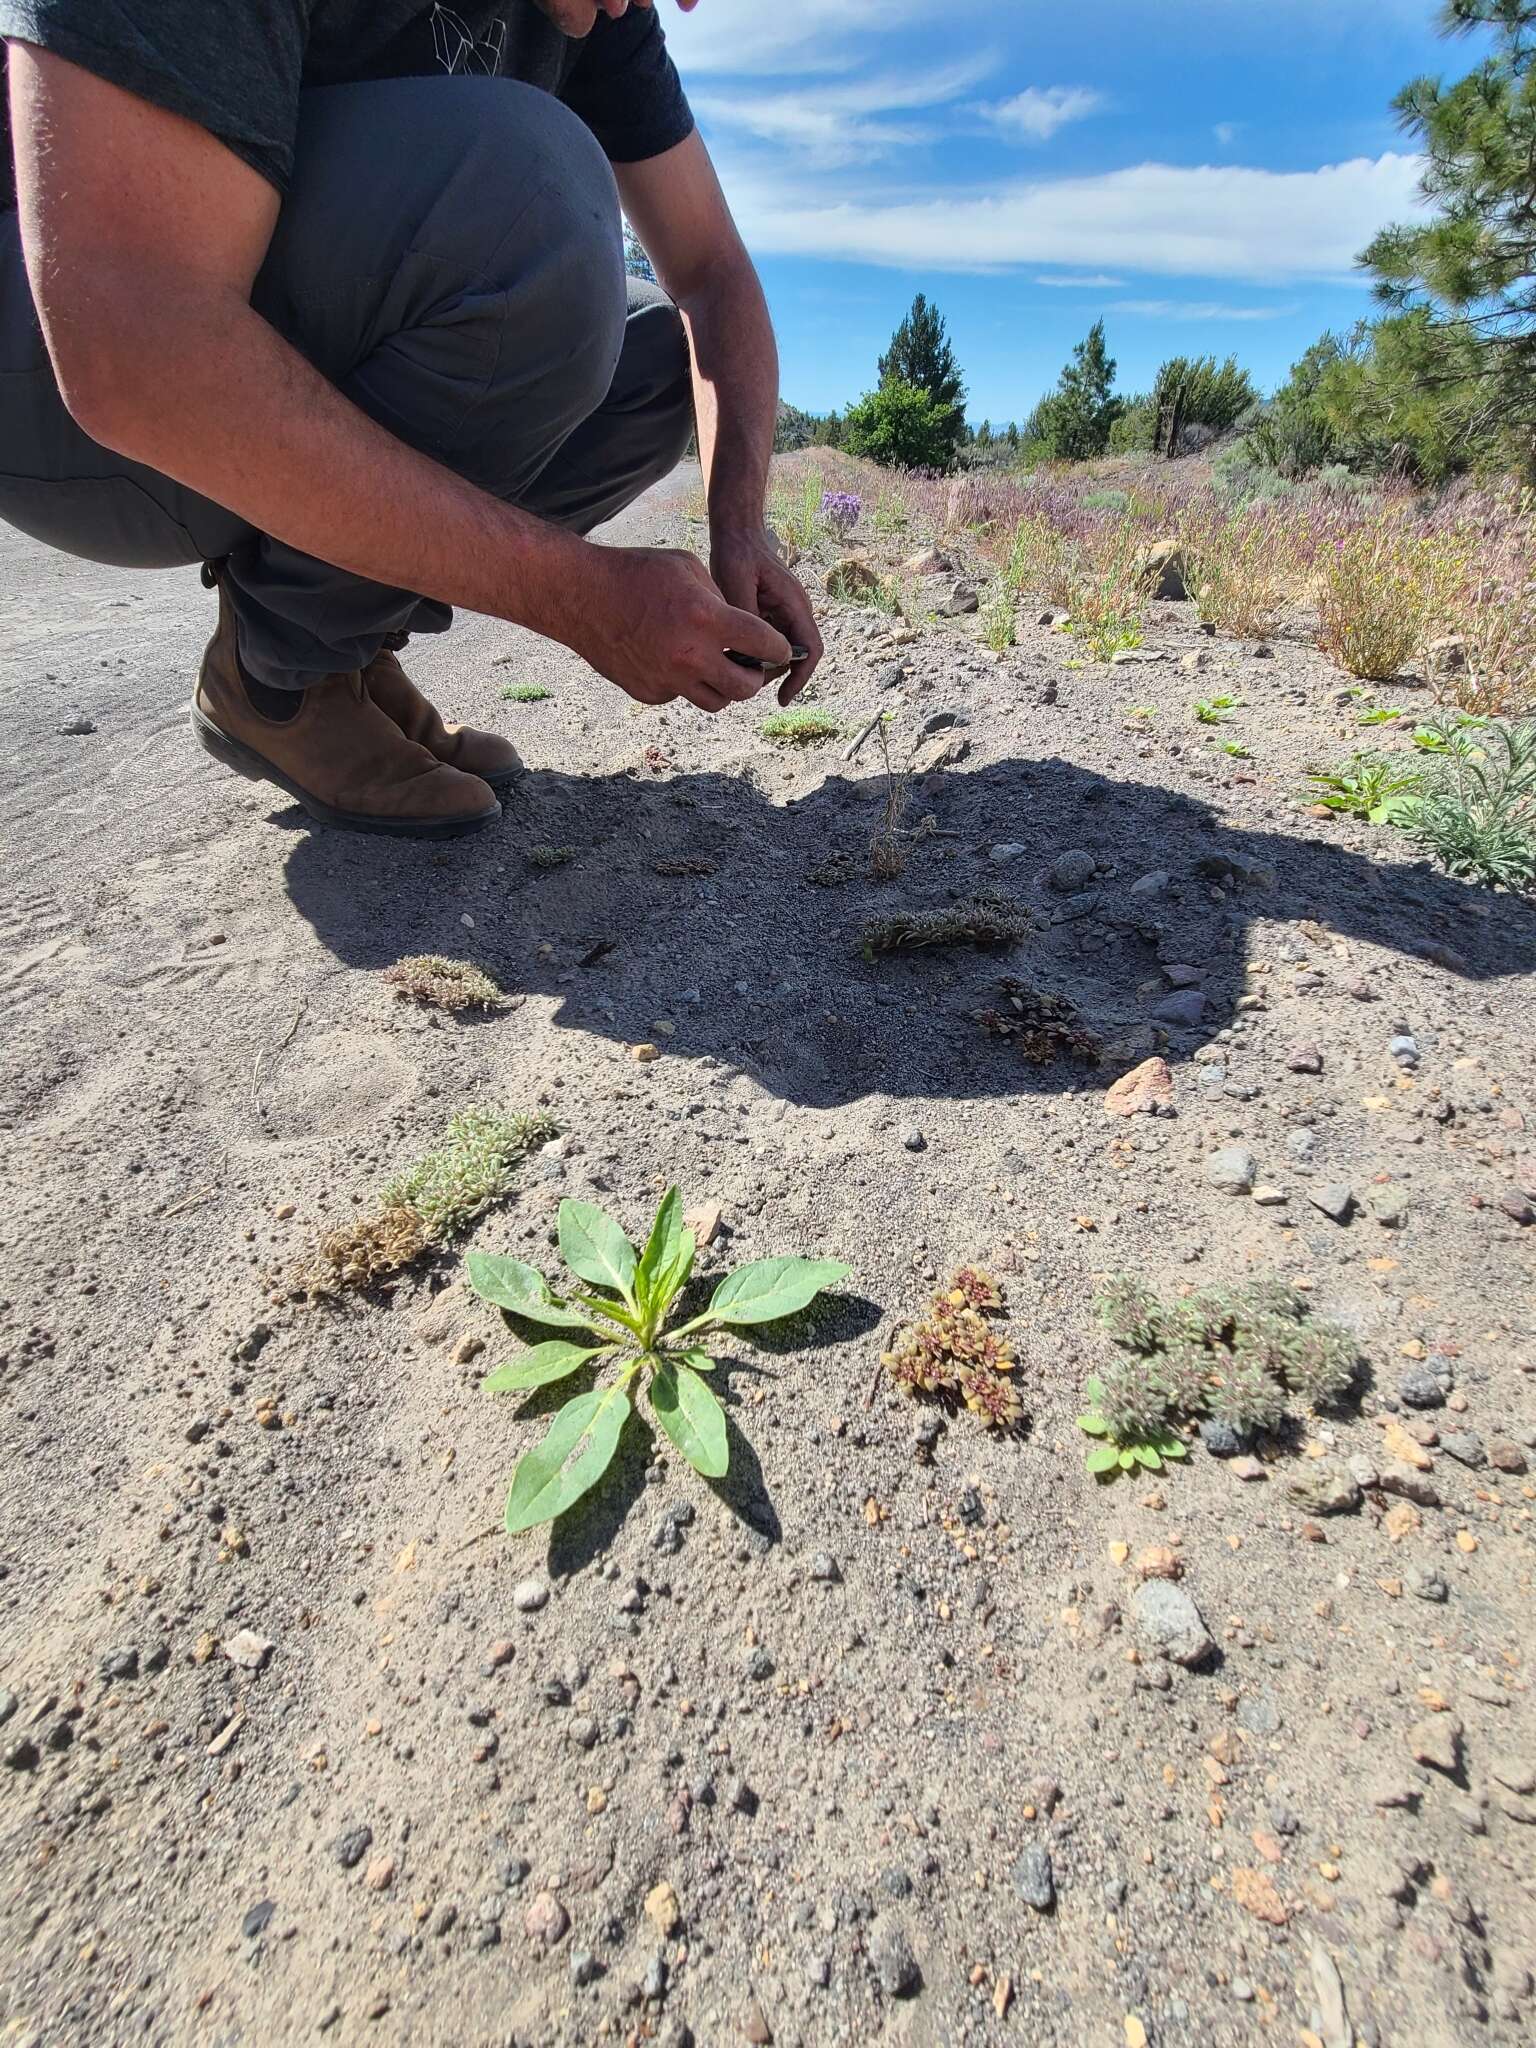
x=1516, y=1774
x=962, y=599
x=529, y=1595
x=1146, y=1090
x=1164, y=568
x=930, y=562
x=1034, y=1878
x=1233, y=1170
x=1389, y=1205
x=1436, y=1742
x=1184, y=1009
x=122, y=1663
x=1326, y=1489
x=1249, y=1469
x=1072, y=871
x=1505, y=1456
x=1151, y=884
x=8, y=1705
x=1304, y=1059
x=823, y=1567
x=895, y=1966
x=1404, y=1050
x=755, y=2027
x=1420, y=1389
x=257, y=1917
x=585, y=1967
x=380, y=1874
x=1425, y=1584
x=1168, y=1621
x=546, y=1920
x=1270, y=1198
x=1221, y=1439
x=1466, y=1447
x=351, y=1845
x=663, y=1909
x=248, y=1650
x=1336, y=1201
x=78, y=726
x=912, y=1139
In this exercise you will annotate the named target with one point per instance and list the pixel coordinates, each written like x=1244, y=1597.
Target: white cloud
x=833, y=125
x=1197, y=309
x=1038, y=111
x=1096, y=283
x=766, y=37
x=1170, y=220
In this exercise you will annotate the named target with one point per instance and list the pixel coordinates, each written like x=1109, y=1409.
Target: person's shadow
x=693, y=900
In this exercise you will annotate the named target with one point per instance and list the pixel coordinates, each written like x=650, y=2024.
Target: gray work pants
x=449, y=255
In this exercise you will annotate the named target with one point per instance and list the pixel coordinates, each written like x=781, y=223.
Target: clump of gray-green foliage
x=1239, y=1355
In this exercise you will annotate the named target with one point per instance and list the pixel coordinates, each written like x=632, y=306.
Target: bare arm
x=143, y=235
x=680, y=214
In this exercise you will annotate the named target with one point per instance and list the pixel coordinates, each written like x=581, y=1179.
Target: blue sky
x=1201, y=173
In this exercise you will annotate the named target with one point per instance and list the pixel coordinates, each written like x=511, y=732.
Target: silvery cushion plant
x=617, y=1316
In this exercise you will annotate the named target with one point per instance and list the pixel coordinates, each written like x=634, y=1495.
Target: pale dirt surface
x=819, y=1701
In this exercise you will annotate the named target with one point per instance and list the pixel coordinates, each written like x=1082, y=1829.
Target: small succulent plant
x=954, y=1352
x=1041, y=1025
x=1231, y=1353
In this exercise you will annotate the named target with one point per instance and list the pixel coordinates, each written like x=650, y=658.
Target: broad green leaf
x=770, y=1289
x=521, y=1289
x=1093, y=1425
x=1102, y=1458
x=595, y=1248
x=692, y=1417
x=1095, y=1391
x=536, y=1368
x=1127, y=1460
x=699, y=1361
x=615, y=1311
x=676, y=1277
x=661, y=1249
x=1145, y=1455
x=1175, y=1447
x=574, y=1455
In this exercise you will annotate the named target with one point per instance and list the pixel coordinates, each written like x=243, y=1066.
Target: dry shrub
x=1380, y=590
x=1243, y=568
x=983, y=921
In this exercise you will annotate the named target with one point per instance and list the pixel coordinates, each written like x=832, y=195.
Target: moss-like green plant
x=524, y=693
x=431, y=1202
x=617, y=1314
x=981, y=921
x=1232, y=1353
x=1215, y=710
x=801, y=727
x=952, y=1351
x=443, y=984
x=550, y=856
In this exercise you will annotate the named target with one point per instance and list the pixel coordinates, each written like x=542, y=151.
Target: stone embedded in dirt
x=380, y=1874
x=1305, y=1059
x=1406, y=1485
x=1184, y=1009
x=895, y=1965
x=1271, y=1197
x=1389, y=1205
x=1254, y=1891
x=912, y=1138
x=8, y=1705
x=663, y=1909
x=1326, y=1489
x=123, y=1663
x=1034, y=1878
x=1072, y=871
x=1146, y=1090
x=1424, y=1584
x=1221, y=1439
x=1168, y=1621
x=352, y=1844
x=256, y=1918
x=1405, y=1050
x=248, y=1650
x=961, y=600
x=1420, y=1389
x=1465, y=1446
x=1505, y=1456
x=823, y=1568
x=546, y=1920
x=930, y=562
x=852, y=579
x=1436, y=1742
x=704, y=1222
x=1336, y=1201
x=1007, y=850
x=1515, y=1773
x=1233, y=1170
x=1151, y=884
x=1249, y=1469
x=1164, y=568
x=78, y=726
x=755, y=2027
x=529, y=1595
x=1180, y=975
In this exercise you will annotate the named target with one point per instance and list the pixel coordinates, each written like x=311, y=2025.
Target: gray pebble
x=1221, y=1439
x=529, y=1595
x=1336, y=1200
x=351, y=1845
x=1034, y=1878
x=823, y=1567
x=1420, y=1389
x=1169, y=1621
x=1233, y=1170
x=1072, y=871
x=894, y=1963
x=1465, y=1446
x=1184, y=1010
x=912, y=1138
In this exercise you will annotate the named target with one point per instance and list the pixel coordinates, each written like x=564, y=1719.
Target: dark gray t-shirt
x=237, y=67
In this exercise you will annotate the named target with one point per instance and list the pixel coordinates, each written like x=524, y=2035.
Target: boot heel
x=227, y=752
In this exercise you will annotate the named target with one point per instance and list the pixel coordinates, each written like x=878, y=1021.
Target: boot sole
x=231, y=753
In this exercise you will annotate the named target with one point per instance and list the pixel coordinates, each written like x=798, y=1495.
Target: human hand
x=652, y=621
x=747, y=568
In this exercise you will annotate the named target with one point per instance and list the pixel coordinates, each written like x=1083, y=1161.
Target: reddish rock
x=1146, y=1090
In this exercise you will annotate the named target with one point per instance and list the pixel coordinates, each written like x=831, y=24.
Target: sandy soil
x=883, y=1708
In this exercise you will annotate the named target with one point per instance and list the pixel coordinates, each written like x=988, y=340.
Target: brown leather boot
x=485, y=754
x=339, y=755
